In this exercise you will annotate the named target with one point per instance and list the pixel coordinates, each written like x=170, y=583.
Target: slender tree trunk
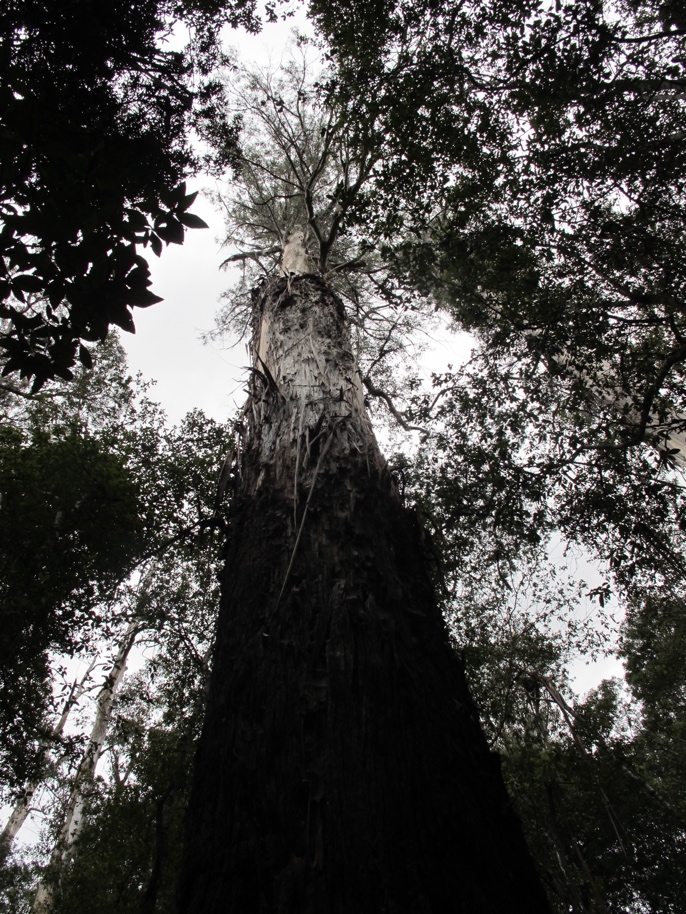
x=73, y=818
x=342, y=767
x=21, y=811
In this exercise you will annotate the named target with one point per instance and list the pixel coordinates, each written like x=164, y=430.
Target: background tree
x=124, y=857
x=531, y=184
x=93, y=484
x=71, y=528
x=97, y=117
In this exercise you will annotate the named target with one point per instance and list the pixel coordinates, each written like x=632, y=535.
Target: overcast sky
x=167, y=346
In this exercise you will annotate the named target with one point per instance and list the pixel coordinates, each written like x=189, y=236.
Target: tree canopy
x=530, y=183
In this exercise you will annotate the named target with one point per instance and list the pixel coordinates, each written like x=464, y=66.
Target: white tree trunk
x=73, y=819
x=22, y=809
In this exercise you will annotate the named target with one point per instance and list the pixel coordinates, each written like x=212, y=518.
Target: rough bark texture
x=342, y=767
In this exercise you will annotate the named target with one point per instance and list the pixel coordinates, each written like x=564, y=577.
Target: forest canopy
x=514, y=166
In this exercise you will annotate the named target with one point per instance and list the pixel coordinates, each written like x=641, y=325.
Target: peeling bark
x=342, y=767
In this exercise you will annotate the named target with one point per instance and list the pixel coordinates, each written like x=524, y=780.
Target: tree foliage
x=530, y=183
x=128, y=855
x=92, y=483
x=70, y=526
x=97, y=114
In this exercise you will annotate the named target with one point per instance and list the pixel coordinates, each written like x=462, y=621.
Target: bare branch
x=375, y=392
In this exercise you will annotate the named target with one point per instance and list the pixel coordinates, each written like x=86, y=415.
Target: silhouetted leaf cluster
x=95, y=143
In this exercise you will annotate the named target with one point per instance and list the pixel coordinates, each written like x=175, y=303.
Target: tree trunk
x=22, y=808
x=341, y=767
x=73, y=817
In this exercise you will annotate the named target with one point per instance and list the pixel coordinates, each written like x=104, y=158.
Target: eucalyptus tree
x=70, y=527
x=597, y=780
x=341, y=765
x=85, y=773
x=598, y=786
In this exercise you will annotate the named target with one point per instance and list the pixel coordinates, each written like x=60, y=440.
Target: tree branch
x=375, y=392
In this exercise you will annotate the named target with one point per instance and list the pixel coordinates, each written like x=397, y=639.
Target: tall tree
x=127, y=857
x=70, y=528
x=341, y=765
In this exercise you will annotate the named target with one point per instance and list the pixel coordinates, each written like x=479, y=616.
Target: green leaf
x=171, y=231
x=156, y=244
x=85, y=357
x=27, y=283
x=187, y=201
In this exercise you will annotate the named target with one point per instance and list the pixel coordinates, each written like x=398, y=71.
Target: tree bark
x=342, y=767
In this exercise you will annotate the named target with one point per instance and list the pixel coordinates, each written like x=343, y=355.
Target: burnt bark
x=342, y=767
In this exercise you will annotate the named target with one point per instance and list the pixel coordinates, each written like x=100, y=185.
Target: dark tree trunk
x=342, y=767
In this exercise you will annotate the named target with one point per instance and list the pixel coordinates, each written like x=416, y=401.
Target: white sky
x=166, y=346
